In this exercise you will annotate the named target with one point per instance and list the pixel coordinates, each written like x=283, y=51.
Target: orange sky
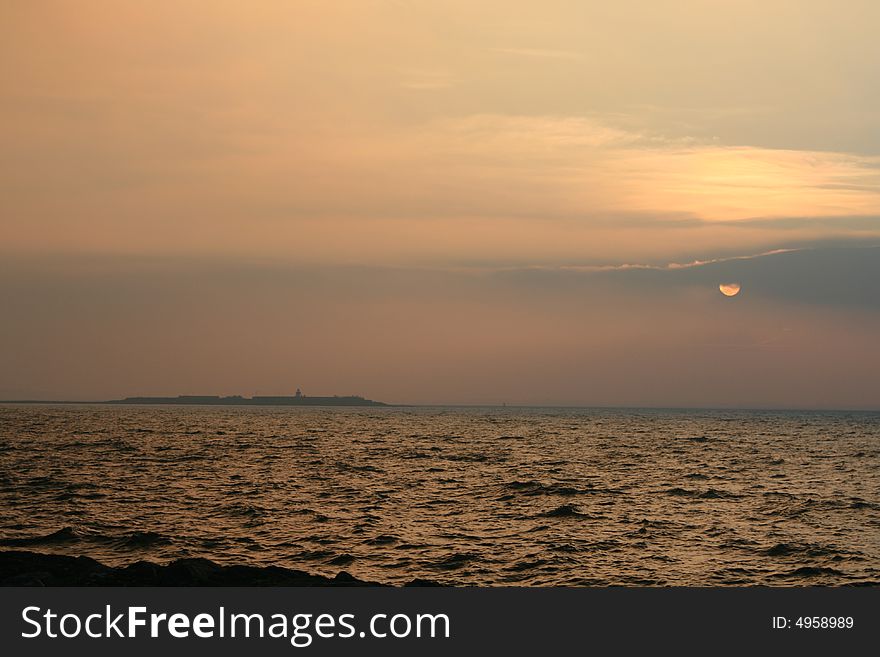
x=456, y=138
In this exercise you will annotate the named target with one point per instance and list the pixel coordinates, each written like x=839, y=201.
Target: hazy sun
x=729, y=289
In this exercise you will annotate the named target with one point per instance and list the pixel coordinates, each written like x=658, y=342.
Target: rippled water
x=460, y=496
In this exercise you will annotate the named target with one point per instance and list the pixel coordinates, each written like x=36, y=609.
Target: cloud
x=801, y=333
x=826, y=276
x=520, y=189
x=671, y=266
x=370, y=133
x=427, y=79
x=540, y=53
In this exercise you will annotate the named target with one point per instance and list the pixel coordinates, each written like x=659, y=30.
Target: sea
x=458, y=496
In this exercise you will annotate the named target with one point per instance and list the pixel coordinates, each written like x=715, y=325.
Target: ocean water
x=461, y=496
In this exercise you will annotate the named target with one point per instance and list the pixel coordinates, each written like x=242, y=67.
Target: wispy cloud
x=541, y=53
x=675, y=265
x=484, y=187
x=670, y=266
x=393, y=135
x=427, y=79
x=600, y=167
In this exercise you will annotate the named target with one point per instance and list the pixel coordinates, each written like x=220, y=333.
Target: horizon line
x=635, y=407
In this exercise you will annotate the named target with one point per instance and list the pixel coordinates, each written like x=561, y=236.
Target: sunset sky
x=442, y=202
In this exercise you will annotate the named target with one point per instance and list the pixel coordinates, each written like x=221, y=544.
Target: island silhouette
x=299, y=399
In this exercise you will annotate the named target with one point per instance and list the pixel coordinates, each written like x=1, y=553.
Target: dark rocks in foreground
x=21, y=568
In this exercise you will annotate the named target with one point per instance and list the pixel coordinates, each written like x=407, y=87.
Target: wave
x=527, y=565
x=456, y=561
x=565, y=511
x=382, y=539
x=708, y=494
x=139, y=539
x=534, y=488
x=67, y=535
x=858, y=503
x=471, y=458
x=810, y=571
x=790, y=506
x=341, y=560
x=63, y=535
x=810, y=550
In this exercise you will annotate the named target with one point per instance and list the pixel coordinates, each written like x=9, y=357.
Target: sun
x=729, y=289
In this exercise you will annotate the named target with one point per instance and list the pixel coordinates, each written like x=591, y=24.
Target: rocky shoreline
x=24, y=568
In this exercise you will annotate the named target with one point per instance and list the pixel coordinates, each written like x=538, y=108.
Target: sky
x=442, y=202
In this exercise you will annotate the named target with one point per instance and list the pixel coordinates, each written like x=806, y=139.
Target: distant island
x=298, y=399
